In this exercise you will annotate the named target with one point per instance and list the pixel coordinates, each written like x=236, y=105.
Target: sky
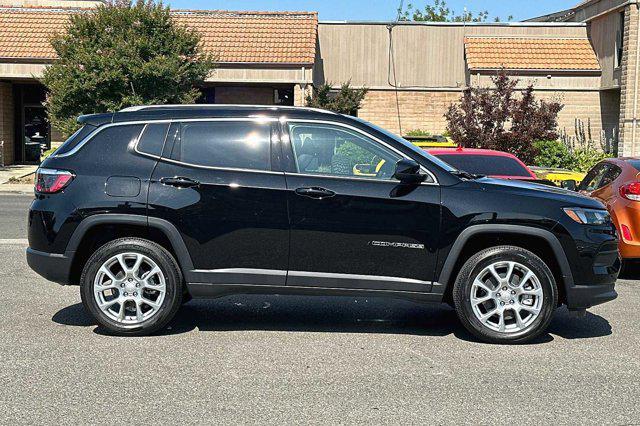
x=380, y=10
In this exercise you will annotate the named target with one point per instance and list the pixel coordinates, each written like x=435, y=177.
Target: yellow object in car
x=557, y=175
x=437, y=141
x=367, y=169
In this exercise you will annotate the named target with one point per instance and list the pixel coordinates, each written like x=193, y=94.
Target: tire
x=151, y=295
x=538, y=293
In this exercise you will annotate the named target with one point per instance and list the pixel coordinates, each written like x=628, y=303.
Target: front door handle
x=315, y=192
x=179, y=182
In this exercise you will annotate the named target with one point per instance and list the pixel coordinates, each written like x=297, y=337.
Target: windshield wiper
x=466, y=175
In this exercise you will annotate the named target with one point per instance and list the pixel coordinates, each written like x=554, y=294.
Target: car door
x=215, y=183
x=352, y=224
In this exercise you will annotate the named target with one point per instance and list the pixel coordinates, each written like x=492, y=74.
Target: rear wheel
x=505, y=294
x=131, y=286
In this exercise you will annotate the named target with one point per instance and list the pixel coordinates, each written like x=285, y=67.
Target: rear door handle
x=315, y=192
x=179, y=182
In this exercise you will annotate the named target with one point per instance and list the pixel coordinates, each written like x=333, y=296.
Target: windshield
x=489, y=165
x=409, y=145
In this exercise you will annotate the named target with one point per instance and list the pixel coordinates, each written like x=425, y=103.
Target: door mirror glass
x=569, y=184
x=408, y=171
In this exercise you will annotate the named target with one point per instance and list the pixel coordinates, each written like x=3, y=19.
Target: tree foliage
x=346, y=101
x=438, y=11
x=503, y=118
x=122, y=54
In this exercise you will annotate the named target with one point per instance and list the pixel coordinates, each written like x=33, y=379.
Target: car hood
x=529, y=189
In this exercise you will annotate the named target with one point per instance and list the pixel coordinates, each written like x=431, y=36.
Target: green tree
x=438, y=11
x=346, y=101
x=122, y=54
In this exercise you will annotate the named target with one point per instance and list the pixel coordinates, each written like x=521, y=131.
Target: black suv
x=151, y=206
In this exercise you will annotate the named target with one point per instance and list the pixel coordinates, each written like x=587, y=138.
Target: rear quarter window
x=73, y=140
x=152, y=138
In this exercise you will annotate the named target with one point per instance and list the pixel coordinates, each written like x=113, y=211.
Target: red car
x=497, y=164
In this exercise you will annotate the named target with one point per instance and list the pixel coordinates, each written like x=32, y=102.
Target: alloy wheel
x=129, y=288
x=506, y=297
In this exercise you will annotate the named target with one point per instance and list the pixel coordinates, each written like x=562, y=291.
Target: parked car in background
x=486, y=162
x=616, y=182
x=561, y=177
x=433, y=141
x=206, y=201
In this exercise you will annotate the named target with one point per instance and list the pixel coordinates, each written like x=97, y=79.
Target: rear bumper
x=584, y=296
x=52, y=266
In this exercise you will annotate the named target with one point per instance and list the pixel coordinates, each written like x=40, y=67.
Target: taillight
x=49, y=181
x=626, y=233
x=631, y=191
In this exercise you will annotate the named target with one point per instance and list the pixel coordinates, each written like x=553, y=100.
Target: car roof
x=470, y=151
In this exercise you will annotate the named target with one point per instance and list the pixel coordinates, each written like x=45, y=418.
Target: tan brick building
x=585, y=56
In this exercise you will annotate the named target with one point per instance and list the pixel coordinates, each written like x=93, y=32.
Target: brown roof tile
x=530, y=53
x=262, y=37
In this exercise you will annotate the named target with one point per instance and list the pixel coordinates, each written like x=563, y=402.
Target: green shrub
x=417, y=132
x=557, y=154
x=354, y=153
x=586, y=158
x=554, y=154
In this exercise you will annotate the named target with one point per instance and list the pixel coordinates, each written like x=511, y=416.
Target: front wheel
x=131, y=287
x=505, y=294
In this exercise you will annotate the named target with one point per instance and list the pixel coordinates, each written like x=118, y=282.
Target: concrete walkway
x=17, y=171
x=16, y=189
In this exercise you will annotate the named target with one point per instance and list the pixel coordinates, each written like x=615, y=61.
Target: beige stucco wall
x=426, y=55
x=425, y=110
x=6, y=122
x=629, y=97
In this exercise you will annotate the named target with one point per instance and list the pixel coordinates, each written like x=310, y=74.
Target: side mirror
x=569, y=184
x=408, y=171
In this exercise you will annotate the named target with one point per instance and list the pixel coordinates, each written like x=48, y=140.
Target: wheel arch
x=101, y=228
x=477, y=237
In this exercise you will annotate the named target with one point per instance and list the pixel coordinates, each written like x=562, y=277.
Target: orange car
x=616, y=182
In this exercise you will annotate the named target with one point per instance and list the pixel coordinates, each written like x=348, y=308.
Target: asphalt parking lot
x=276, y=359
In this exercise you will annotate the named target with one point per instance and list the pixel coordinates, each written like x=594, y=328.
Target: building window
x=620, y=40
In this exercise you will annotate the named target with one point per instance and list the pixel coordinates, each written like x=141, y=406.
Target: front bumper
x=52, y=266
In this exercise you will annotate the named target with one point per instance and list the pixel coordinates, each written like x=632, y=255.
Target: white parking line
x=16, y=241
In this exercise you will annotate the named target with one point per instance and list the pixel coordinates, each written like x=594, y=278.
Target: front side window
x=226, y=144
x=327, y=149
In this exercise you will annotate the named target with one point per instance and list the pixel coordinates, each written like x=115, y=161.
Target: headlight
x=588, y=216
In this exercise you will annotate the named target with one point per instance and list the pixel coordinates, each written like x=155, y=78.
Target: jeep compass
x=151, y=206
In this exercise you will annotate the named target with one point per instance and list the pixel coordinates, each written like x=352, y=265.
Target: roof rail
x=220, y=106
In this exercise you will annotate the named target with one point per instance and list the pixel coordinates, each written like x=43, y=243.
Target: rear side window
x=75, y=139
x=152, y=138
x=489, y=165
x=232, y=144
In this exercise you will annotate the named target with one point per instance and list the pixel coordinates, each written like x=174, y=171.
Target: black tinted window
x=488, y=165
x=152, y=138
x=74, y=139
x=332, y=150
x=235, y=144
x=593, y=178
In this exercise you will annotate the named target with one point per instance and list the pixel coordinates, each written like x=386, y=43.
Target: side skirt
x=212, y=291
